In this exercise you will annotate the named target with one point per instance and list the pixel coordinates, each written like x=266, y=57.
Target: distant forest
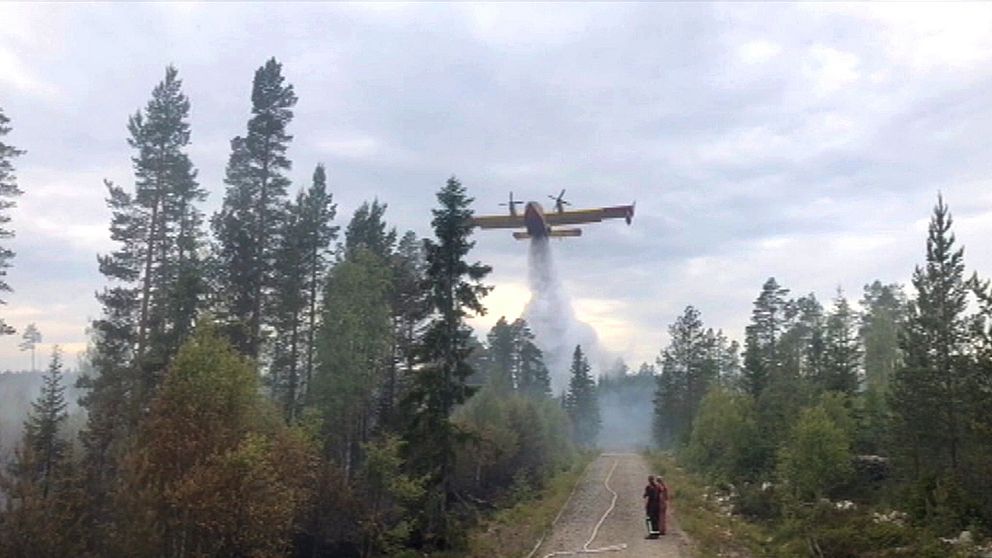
x=272, y=380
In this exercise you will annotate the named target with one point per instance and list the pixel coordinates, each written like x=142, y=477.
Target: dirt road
x=622, y=532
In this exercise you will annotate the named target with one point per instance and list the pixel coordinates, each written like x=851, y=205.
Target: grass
x=512, y=532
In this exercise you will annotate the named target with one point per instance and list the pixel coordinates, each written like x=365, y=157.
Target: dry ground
x=625, y=523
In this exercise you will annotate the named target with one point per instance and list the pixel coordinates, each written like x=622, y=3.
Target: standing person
x=653, y=506
x=663, y=504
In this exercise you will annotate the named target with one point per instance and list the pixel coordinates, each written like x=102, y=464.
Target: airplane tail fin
x=565, y=232
x=521, y=235
x=630, y=214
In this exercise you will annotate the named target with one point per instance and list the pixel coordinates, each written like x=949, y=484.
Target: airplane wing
x=499, y=222
x=590, y=215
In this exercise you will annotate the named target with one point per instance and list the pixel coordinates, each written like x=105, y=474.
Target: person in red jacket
x=655, y=505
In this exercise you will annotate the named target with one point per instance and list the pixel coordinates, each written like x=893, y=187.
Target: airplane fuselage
x=537, y=225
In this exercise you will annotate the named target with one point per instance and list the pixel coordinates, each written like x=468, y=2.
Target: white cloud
x=830, y=69
x=14, y=73
x=758, y=51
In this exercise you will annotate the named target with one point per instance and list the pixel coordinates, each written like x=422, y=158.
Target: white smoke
x=551, y=317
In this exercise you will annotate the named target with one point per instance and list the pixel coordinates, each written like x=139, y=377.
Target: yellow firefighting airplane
x=539, y=224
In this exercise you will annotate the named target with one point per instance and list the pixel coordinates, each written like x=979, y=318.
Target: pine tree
x=318, y=211
x=929, y=391
x=690, y=365
x=249, y=223
x=288, y=306
x=301, y=267
x=155, y=287
x=29, y=340
x=800, y=350
x=762, y=336
x=409, y=306
x=8, y=191
x=41, y=430
x=581, y=403
x=842, y=355
x=166, y=192
x=367, y=229
x=881, y=325
x=456, y=291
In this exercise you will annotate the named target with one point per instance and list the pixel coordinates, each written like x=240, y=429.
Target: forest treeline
x=264, y=383
x=853, y=432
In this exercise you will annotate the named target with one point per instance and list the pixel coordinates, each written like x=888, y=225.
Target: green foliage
x=725, y=436
x=390, y=497
x=510, y=438
x=214, y=471
x=816, y=456
x=41, y=430
x=514, y=362
x=885, y=314
x=301, y=266
x=581, y=402
x=842, y=355
x=247, y=227
x=353, y=352
x=439, y=385
x=8, y=191
x=695, y=359
x=762, y=336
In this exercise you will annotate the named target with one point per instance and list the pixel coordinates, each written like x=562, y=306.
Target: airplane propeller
x=512, y=204
x=560, y=201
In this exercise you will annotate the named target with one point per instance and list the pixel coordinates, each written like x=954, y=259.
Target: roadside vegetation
x=842, y=432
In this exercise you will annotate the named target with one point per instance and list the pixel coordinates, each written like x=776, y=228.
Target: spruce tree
x=249, y=223
x=41, y=430
x=456, y=291
x=842, y=355
x=502, y=355
x=8, y=191
x=533, y=378
x=929, y=391
x=581, y=403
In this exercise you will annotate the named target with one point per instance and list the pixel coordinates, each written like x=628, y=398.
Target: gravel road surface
x=624, y=525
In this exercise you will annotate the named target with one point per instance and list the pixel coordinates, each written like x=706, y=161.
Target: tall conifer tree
x=929, y=390
x=842, y=355
x=762, y=336
x=248, y=227
x=48, y=414
x=8, y=191
x=456, y=291
x=154, y=290
x=581, y=403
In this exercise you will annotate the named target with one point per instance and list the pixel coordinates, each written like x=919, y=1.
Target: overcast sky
x=806, y=142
